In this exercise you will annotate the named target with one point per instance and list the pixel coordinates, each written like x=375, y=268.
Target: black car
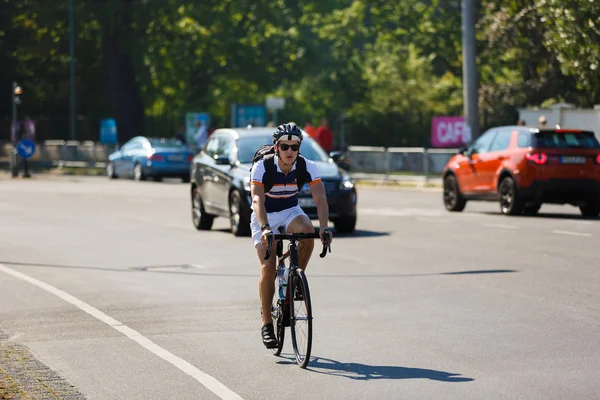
x=220, y=181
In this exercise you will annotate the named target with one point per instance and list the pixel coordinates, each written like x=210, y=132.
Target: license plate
x=306, y=202
x=175, y=158
x=572, y=160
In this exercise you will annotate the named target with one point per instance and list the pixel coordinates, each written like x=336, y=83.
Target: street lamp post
x=16, y=92
x=72, y=70
x=16, y=99
x=470, y=85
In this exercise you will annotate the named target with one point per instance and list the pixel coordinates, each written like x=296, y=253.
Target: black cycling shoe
x=268, y=336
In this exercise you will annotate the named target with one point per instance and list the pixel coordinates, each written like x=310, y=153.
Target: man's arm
x=318, y=193
x=258, y=203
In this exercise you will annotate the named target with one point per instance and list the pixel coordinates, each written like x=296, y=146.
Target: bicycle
x=284, y=310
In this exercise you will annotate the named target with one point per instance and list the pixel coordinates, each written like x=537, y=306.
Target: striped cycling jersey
x=283, y=193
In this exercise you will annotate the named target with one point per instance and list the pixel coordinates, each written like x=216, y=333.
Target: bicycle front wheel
x=301, y=318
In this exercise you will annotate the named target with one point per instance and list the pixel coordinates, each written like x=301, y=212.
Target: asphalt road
x=109, y=285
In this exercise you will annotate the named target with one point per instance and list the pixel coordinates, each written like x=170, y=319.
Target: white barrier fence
x=392, y=161
x=398, y=160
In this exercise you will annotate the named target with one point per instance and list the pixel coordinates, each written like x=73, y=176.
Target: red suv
x=524, y=167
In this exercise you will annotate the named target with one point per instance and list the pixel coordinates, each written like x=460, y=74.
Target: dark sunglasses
x=285, y=147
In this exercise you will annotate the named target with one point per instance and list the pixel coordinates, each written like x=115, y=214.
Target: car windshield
x=565, y=140
x=162, y=142
x=247, y=146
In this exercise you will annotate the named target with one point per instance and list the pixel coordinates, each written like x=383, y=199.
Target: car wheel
x=345, y=224
x=239, y=221
x=453, y=200
x=532, y=209
x=110, y=170
x=590, y=210
x=202, y=220
x=510, y=201
x=138, y=173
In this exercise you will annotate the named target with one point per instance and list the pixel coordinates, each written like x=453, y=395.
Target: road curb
x=23, y=376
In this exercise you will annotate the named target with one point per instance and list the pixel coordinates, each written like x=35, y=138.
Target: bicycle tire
x=277, y=315
x=300, y=286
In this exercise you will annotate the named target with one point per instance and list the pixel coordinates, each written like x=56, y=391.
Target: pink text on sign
x=449, y=132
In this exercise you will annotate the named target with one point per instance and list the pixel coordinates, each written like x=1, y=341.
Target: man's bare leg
x=302, y=224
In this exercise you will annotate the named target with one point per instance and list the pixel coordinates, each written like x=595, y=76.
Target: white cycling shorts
x=276, y=219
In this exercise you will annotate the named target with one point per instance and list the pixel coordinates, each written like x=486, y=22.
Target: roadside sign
x=275, y=103
x=26, y=148
x=243, y=115
x=108, y=131
x=449, y=131
x=191, y=119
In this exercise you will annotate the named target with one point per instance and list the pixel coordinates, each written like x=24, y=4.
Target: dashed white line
x=572, y=233
x=503, y=226
x=208, y=381
x=401, y=212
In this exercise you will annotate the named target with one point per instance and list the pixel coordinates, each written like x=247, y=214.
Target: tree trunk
x=123, y=90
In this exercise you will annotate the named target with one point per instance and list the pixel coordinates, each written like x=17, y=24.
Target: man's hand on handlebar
x=326, y=236
x=326, y=239
x=264, y=237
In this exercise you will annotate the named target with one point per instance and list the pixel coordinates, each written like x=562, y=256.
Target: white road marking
x=579, y=222
x=572, y=233
x=208, y=381
x=400, y=212
x=198, y=266
x=503, y=226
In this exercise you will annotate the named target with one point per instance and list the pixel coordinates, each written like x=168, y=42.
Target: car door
x=208, y=172
x=223, y=169
x=128, y=156
x=491, y=160
x=477, y=155
x=119, y=163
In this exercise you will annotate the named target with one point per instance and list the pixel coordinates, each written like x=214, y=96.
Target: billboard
x=449, y=132
x=191, y=122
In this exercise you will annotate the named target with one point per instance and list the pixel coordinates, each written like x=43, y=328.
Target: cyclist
x=279, y=208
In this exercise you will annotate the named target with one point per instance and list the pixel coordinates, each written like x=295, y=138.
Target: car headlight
x=247, y=183
x=346, y=182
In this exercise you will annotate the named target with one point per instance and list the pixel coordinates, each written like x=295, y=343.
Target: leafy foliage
x=380, y=68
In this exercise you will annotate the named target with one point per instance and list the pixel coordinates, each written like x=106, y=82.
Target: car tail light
x=538, y=158
x=156, y=157
x=598, y=159
x=189, y=158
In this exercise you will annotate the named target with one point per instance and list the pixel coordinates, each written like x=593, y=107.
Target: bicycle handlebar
x=296, y=236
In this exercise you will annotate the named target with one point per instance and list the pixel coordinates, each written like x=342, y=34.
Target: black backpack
x=267, y=152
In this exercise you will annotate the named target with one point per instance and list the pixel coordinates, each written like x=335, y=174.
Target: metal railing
x=387, y=163
x=398, y=160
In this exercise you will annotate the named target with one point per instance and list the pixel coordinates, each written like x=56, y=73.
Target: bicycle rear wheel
x=301, y=318
x=277, y=314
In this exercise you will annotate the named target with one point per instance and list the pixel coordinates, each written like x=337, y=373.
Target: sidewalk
x=400, y=180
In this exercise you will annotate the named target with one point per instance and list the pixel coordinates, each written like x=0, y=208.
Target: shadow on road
x=544, y=216
x=366, y=372
x=359, y=233
x=187, y=269
x=472, y=272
